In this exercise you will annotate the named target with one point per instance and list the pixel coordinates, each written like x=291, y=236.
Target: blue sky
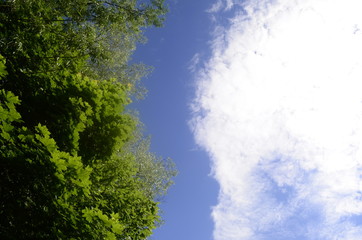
x=166, y=113
x=259, y=104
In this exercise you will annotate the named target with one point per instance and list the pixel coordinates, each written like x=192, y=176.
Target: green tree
x=105, y=32
x=88, y=191
x=73, y=162
x=155, y=172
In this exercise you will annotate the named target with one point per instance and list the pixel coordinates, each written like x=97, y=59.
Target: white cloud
x=221, y=5
x=193, y=64
x=279, y=110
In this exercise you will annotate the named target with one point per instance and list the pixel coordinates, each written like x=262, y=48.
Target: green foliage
x=3, y=72
x=155, y=172
x=47, y=35
x=74, y=164
x=88, y=190
x=27, y=189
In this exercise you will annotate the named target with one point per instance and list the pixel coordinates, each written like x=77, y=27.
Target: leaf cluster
x=73, y=162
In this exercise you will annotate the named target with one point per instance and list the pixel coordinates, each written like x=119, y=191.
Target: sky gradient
x=166, y=113
x=265, y=98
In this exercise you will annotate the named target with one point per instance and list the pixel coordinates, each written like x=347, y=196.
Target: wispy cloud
x=221, y=5
x=194, y=63
x=279, y=110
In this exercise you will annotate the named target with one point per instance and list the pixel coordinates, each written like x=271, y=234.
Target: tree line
x=74, y=162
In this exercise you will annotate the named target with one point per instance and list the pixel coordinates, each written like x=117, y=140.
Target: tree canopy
x=74, y=163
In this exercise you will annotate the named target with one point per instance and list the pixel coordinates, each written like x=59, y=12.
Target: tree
x=84, y=192
x=156, y=172
x=103, y=32
x=70, y=168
